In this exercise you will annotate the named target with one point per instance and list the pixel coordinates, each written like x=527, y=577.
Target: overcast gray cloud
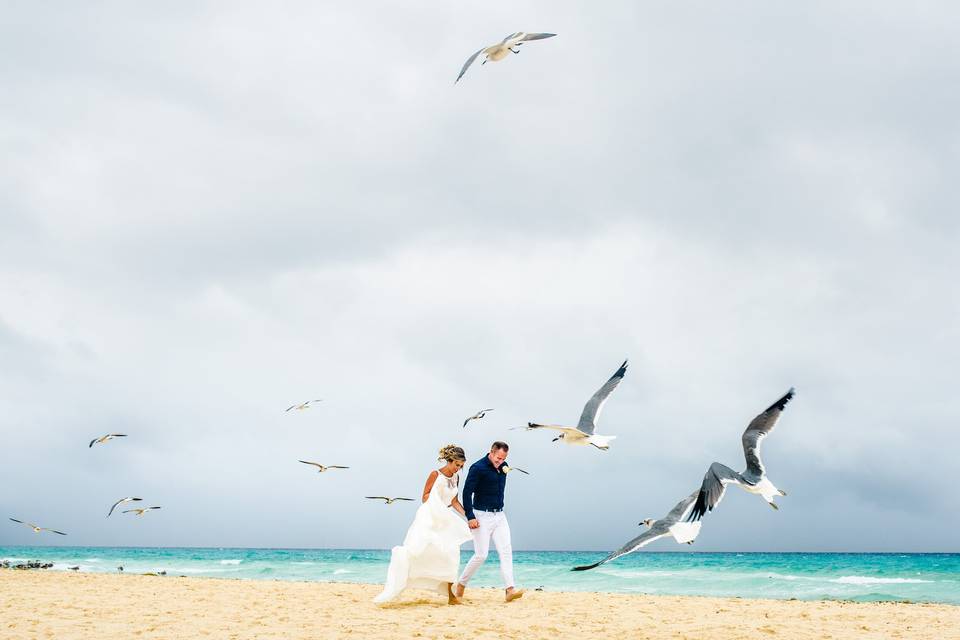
x=209, y=212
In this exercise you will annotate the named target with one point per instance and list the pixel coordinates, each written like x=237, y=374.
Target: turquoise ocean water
x=807, y=576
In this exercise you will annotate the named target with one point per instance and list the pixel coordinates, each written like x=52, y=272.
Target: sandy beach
x=63, y=606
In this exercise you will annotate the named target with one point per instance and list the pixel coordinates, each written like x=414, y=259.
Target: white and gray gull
x=501, y=50
x=669, y=525
x=585, y=433
x=753, y=479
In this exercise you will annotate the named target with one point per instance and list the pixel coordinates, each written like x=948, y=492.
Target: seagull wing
x=468, y=420
x=118, y=435
x=715, y=482
x=316, y=464
x=591, y=411
x=407, y=499
x=53, y=531
x=336, y=466
x=758, y=429
x=149, y=508
x=119, y=502
x=467, y=64
x=93, y=442
x=376, y=497
x=681, y=510
x=290, y=407
x=642, y=540
x=535, y=36
x=20, y=521
x=553, y=427
x=519, y=469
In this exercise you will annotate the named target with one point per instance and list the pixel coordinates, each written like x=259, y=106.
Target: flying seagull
x=301, y=406
x=754, y=477
x=508, y=469
x=387, y=500
x=120, y=502
x=37, y=529
x=477, y=416
x=109, y=436
x=584, y=433
x=140, y=511
x=668, y=525
x=499, y=51
x=323, y=467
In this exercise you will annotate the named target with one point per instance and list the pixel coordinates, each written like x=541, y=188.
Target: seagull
x=120, y=502
x=754, y=477
x=37, y=529
x=668, y=525
x=109, y=436
x=322, y=467
x=477, y=416
x=302, y=405
x=387, y=500
x=77, y=568
x=140, y=512
x=500, y=50
x=508, y=469
x=584, y=433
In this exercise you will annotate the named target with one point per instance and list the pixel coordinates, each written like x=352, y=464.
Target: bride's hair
x=452, y=452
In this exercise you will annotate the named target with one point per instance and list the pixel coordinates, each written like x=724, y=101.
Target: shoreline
x=572, y=592
x=82, y=605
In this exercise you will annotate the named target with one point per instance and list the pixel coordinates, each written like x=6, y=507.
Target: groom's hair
x=499, y=445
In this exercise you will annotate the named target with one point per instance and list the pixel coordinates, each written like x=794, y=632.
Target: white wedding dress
x=430, y=555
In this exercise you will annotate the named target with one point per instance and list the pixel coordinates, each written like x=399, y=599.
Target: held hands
x=473, y=524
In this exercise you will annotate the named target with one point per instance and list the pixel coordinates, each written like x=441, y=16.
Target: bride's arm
x=458, y=507
x=427, y=487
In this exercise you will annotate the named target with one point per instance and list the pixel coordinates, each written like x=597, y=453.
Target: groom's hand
x=473, y=524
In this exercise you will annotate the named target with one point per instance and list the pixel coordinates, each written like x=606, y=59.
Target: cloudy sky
x=211, y=211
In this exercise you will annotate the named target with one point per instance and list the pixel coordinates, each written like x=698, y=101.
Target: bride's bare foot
x=459, y=591
x=513, y=594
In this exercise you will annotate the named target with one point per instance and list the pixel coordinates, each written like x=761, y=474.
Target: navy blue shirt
x=484, y=487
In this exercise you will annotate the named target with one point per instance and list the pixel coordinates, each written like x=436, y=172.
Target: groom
x=483, y=505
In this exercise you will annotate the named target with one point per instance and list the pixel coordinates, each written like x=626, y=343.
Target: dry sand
x=37, y=604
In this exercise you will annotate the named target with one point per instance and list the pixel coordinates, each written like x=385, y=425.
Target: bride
x=430, y=555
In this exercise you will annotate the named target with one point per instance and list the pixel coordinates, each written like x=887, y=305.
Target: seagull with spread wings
x=585, y=433
x=301, y=406
x=477, y=416
x=754, y=478
x=109, y=436
x=140, y=511
x=122, y=501
x=387, y=500
x=323, y=468
x=669, y=525
x=37, y=529
x=502, y=49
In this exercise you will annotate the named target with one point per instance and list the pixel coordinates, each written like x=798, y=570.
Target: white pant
x=492, y=525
